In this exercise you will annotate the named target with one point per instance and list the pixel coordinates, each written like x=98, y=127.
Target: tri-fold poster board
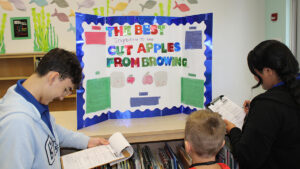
x=142, y=66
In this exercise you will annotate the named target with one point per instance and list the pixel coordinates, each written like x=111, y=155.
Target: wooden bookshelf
x=137, y=130
x=14, y=67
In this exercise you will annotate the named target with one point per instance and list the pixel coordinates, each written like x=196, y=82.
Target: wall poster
x=20, y=28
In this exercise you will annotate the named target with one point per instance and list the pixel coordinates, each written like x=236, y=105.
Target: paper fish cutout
x=86, y=4
x=39, y=2
x=60, y=3
x=119, y=7
x=61, y=16
x=72, y=13
x=193, y=1
x=19, y=4
x=181, y=7
x=72, y=28
x=148, y=5
x=132, y=13
x=6, y=5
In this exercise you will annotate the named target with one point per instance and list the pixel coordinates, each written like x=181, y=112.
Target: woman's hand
x=246, y=106
x=95, y=141
x=229, y=125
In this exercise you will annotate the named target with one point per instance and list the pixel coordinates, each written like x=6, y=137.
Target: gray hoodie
x=26, y=141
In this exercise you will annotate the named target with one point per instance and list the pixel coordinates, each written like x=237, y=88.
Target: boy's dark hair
x=63, y=62
x=205, y=131
x=277, y=56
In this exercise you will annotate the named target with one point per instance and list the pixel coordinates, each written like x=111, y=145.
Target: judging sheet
x=228, y=110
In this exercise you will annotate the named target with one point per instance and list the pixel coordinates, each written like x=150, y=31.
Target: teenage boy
x=29, y=136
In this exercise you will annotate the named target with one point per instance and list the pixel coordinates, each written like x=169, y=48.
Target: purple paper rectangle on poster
x=193, y=40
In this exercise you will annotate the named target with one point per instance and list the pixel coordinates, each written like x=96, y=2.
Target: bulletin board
x=142, y=66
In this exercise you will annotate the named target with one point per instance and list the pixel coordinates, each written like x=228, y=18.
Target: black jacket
x=270, y=138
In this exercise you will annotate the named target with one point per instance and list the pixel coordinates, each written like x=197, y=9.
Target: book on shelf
x=149, y=160
x=225, y=156
x=136, y=159
x=116, y=151
x=140, y=155
x=164, y=158
x=171, y=160
x=177, y=163
x=157, y=160
x=183, y=156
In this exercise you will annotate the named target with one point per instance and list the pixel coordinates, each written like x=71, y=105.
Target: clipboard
x=214, y=100
x=228, y=110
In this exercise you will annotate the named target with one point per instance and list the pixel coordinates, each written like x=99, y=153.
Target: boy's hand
x=96, y=141
x=229, y=125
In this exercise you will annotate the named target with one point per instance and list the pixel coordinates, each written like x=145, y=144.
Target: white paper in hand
x=116, y=151
x=228, y=110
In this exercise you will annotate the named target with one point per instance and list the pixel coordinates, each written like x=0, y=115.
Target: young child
x=204, y=137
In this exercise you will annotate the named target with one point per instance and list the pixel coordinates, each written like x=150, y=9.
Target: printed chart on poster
x=142, y=66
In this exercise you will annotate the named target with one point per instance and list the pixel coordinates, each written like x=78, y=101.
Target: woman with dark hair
x=270, y=137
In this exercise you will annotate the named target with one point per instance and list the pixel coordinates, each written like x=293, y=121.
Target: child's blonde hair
x=205, y=131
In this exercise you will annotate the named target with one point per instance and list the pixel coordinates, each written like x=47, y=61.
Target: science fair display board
x=142, y=66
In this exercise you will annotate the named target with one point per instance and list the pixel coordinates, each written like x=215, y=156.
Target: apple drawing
x=147, y=79
x=130, y=79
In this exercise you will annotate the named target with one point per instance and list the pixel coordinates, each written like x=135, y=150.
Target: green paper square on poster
x=98, y=94
x=192, y=92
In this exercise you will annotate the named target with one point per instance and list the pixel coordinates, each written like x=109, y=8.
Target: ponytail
x=293, y=86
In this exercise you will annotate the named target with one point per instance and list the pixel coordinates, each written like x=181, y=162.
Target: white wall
x=278, y=29
x=238, y=25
